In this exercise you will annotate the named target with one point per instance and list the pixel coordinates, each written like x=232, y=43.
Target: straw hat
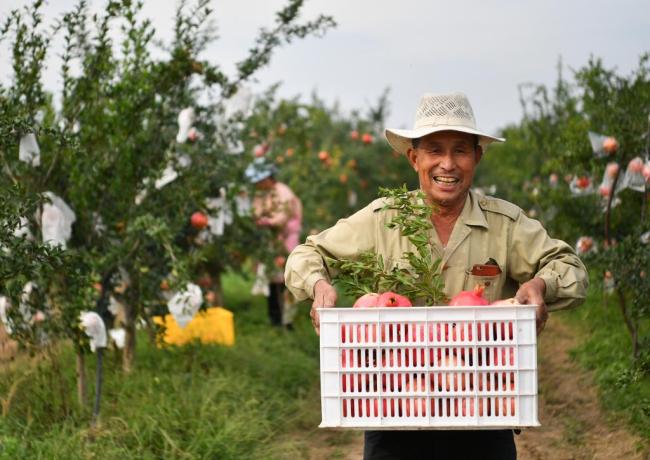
x=439, y=112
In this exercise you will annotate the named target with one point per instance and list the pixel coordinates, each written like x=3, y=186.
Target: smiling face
x=445, y=162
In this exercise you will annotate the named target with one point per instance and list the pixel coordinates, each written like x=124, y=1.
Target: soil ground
x=574, y=427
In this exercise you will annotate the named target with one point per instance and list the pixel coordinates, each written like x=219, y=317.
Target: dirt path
x=573, y=425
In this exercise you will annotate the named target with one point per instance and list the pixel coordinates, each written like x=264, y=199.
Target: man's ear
x=412, y=156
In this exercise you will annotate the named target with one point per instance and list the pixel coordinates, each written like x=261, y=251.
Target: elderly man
x=471, y=232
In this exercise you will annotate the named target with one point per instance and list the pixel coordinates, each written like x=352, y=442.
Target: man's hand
x=532, y=292
x=324, y=296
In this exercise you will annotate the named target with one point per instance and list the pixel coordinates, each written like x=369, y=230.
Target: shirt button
x=483, y=202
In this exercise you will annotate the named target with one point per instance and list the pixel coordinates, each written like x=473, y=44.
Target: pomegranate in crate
x=451, y=382
x=390, y=299
x=371, y=299
x=471, y=298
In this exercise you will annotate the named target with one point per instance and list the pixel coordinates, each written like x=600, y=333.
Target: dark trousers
x=275, y=301
x=440, y=445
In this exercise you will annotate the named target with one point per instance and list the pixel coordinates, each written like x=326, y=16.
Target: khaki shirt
x=486, y=228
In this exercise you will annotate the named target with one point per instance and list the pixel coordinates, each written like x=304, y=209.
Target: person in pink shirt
x=276, y=206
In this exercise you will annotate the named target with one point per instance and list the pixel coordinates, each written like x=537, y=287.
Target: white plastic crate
x=428, y=367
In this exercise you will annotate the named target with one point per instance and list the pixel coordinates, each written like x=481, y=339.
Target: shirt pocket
x=491, y=285
x=397, y=264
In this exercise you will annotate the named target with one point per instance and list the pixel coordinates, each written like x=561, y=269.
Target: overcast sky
x=485, y=48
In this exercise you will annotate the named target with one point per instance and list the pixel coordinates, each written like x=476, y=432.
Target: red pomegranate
x=390, y=299
x=635, y=165
x=612, y=170
x=259, y=150
x=646, y=172
x=604, y=190
x=583, y=182
x=610, y=145
x=199, y=220
x=368, y=300
x=469, y=298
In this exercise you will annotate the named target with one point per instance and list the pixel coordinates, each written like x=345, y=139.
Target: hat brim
x=254, y=179
x=402, y=139
x=258, y=172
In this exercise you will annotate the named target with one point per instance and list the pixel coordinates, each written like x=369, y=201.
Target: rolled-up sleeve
x=534, y=253
x=307, y=263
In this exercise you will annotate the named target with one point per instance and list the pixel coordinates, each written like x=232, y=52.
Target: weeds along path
x=574, y=427
x=573, y=424
x=8, y=347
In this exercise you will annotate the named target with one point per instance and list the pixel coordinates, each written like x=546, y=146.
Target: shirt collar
x=472, y=213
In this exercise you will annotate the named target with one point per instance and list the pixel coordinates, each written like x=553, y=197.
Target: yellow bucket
x=214, y=325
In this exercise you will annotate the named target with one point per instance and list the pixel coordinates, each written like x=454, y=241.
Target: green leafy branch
x=421, y=282
x=360, y=276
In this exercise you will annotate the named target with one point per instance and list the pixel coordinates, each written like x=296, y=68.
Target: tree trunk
x=98, y=386
x=82, y=387
x=608, y=212
x=151, y=331
x=218, y=289
x=644, y=202
x=631, y=327
x=128, y=353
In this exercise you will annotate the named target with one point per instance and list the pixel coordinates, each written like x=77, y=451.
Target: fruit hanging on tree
x=604, y=190
x=199, y=220
x=193, y=135
x=260, y=150
x=279, y=261
x=611, y=170
x=610, y=145
x=646, y=172
x=583, y=182
x=635, y=165
x=584, y=245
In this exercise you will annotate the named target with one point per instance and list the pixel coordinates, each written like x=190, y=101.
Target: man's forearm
x=304, y=268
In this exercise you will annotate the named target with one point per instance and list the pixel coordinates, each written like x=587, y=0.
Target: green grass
x=606, y=349
x=250, y=401
x=190, y=402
